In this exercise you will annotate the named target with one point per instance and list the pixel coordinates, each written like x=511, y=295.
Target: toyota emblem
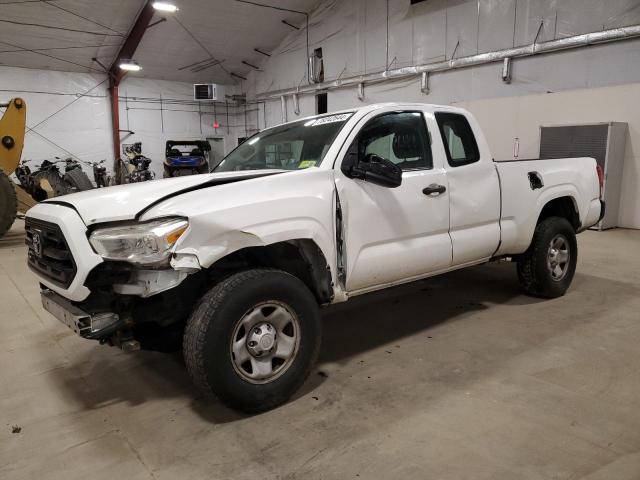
x=36, y=244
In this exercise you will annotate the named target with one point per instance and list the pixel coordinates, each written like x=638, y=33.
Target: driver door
x=395, y=234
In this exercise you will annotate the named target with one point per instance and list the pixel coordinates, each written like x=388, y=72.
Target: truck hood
x=126, y=202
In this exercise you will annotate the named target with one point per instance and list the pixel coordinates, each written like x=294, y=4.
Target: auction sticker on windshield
x=330, y=119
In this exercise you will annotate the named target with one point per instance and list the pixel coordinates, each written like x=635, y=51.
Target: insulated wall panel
x=496, y=24
x=375, y=35
x=535, y=17
x=400, y=34
x=429, y=31
x=462, y=27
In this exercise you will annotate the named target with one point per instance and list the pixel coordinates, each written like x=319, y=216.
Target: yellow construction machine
x=12, y=129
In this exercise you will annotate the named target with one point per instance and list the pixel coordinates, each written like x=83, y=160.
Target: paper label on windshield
x=307, y=164
x=331, y=119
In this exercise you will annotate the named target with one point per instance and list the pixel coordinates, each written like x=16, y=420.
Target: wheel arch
x=302, y=258
x=564, y=206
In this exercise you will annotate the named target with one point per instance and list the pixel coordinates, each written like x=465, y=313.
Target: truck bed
x=528, y=185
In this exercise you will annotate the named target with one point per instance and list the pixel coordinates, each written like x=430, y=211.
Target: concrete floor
x=455, y=377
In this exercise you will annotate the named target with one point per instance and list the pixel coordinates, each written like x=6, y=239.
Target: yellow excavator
x=12, y=130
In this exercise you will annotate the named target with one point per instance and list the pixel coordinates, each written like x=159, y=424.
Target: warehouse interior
x=454, y=373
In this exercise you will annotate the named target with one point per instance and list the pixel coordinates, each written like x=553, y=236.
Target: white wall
x=159, y=110
x=82, y=126
x=80, y=129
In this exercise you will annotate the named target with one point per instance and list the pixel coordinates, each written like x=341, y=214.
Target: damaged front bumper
x=87, y=325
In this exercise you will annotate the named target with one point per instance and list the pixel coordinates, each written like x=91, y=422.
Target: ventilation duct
x=577, y=41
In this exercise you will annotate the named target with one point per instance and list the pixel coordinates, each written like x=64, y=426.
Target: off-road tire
x=77, y=179
x=209, y=330
x=8, y=204
x=533, y=273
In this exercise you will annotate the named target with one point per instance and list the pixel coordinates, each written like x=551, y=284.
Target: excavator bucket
x=12, y=127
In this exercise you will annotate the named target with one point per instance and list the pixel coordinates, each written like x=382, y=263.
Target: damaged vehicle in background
x=236, y=263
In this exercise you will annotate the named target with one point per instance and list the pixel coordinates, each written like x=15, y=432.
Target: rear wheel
x=8, y=203
x=546, y=269
x=253, y=339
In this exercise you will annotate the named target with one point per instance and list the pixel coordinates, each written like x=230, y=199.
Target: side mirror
x=374, y=169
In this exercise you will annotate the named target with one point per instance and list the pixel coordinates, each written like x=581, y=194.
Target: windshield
x=291, y=146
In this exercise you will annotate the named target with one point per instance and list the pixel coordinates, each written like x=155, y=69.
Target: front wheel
x=253, y=339
x=546, y=269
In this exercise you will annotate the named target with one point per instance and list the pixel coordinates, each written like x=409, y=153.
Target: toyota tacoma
x=236, y=264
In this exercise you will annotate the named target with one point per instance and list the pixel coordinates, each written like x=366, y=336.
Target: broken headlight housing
x=148, y=243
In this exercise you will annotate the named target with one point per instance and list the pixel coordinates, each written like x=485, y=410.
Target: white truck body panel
x=391, y=235
x=384, y=243
x=256, y=212
x=521, y=206
x=124, y=202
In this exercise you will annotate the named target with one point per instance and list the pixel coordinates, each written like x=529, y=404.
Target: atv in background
x=188, y=157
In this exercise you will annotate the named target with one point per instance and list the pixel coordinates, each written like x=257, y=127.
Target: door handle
x=434, y=190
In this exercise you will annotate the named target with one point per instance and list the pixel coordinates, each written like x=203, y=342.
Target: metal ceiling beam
x=132, y=41
x=116, y=74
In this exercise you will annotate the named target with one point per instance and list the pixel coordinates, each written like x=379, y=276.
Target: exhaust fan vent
x=206, y=92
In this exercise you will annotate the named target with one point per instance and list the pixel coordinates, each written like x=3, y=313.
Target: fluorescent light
x=130, y=65
x=165, y=7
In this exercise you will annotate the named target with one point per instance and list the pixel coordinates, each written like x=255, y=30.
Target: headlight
x=142, y=243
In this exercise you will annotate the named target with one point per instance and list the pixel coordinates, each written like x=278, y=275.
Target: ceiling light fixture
x=130, y=65
x=165, y=7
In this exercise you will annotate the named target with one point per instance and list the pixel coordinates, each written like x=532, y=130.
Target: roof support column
x=116, y=74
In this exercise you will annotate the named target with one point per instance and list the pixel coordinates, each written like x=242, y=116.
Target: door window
x=459, y=141
x=397, y=136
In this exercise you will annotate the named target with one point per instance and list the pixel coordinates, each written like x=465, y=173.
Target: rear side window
x=459, y=141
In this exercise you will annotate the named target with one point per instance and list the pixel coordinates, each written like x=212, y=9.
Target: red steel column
x=115, y=121
x=116, y=74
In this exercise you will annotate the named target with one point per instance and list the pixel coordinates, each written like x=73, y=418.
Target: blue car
x=188, y=157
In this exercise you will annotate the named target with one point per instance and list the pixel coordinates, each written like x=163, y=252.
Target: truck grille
x=49, y=255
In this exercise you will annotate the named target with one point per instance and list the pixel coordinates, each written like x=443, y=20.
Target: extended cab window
x=397, y=136
x=459, y=141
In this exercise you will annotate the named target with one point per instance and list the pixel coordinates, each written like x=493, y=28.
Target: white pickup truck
x=235, y=264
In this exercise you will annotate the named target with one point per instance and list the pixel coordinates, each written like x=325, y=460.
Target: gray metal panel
x=575, y=141
x=613, y=174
